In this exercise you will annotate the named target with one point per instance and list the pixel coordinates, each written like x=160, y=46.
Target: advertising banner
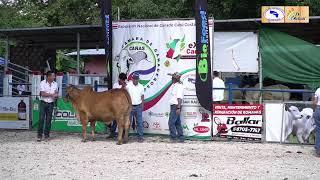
x=197, y=120
x=14, y=113
x=298, y=124
x=203, y=60
x=290, y=123
x=285, y=14
x=63, y=119
x=154, y=49
x=238, y=121
x=106, y=16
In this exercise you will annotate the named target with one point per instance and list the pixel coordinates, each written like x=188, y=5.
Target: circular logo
x=274, y=14
x=138, y=55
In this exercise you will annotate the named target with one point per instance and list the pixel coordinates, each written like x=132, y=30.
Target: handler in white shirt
x=48, y=94
x=218, y=95
x=136, y=92
x=175, y=128
x=121, y=83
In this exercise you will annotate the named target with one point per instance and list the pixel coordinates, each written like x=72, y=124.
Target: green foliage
x=31, y=13
x=38, y=13
x=63, y=62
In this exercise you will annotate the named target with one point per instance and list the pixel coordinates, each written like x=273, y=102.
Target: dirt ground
x=65, y=157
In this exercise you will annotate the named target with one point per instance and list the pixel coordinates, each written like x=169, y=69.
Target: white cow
x=125, y=60
x=290, y=116
x=303, y=126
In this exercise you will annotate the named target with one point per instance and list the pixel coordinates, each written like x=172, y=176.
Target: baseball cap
x=135, y=75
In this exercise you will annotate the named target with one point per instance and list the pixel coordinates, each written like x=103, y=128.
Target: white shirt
x=47, y=88
x=317, y=94
x=218, y=95
x=176, y=93
x=21, y=88
x=135, y=91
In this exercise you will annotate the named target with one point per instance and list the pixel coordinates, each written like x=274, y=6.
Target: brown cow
x=103, y=106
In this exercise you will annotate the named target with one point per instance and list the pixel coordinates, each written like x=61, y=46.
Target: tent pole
x=78, y=53
x=212, y=63
x=7, y=54
x=260, y=71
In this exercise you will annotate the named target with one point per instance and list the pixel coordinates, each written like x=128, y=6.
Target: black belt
x=136, y=105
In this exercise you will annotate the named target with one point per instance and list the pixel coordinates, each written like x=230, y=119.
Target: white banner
x=14, y=112
x=236, y=52
x=273, y=119
x=154, y=49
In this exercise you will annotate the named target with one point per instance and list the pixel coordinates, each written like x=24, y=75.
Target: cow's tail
x=128, y=99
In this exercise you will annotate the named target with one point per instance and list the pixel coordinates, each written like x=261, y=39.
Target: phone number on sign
x=246, y=129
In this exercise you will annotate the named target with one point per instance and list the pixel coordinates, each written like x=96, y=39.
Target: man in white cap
x=176, y=96
x=136, y=92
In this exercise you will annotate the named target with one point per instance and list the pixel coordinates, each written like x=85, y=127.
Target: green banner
x=64, y=120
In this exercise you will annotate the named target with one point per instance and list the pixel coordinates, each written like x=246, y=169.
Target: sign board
x=285, y=14
x=14, y=112
x=238, y=121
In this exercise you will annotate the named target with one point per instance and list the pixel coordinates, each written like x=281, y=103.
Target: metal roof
x=91, y=36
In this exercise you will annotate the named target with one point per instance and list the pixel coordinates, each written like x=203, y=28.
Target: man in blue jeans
x=176, y=96
x=136, y=92
x=316, y=115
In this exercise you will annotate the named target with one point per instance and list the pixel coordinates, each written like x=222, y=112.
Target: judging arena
x=65, y=157
x=264, y=128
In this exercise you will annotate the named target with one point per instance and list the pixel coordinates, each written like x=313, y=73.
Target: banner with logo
x=106, y=16
x=298, y=124
x=64, y=119
x=285, y=14
x=290, y=123
x=203, y=60
x=154, y=49
x=14, y=112
x=238, y=121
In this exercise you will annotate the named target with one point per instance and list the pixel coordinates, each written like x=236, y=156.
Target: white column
x=35, y=84
x=59, y=78
x=87, y=80
x=7, y=86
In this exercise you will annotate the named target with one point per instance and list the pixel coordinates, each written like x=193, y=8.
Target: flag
x=107, y=34
x=203, y=62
